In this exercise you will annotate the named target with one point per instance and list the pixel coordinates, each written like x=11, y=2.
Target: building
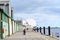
x=6, y=5
x=8, y=25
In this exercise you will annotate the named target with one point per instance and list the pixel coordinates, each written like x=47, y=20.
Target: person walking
x=24, y=31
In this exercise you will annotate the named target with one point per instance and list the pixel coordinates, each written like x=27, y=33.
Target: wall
x=5, y=25
x=10, y=26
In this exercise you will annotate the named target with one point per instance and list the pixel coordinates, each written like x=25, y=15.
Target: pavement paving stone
x=29, y=36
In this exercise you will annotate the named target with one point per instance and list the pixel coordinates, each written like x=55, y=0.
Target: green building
x=8, y=25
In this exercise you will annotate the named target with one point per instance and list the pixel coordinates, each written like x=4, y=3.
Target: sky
x=44, y=12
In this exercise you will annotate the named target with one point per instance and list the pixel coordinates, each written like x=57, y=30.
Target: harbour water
x=55, y=31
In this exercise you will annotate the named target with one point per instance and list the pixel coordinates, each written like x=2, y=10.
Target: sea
x=54, y=31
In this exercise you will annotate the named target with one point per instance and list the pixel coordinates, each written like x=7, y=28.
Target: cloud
x=44, y=19
x=45, y=12
x=24, y=5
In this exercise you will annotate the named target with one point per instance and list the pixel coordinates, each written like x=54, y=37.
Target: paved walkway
x=29, y=36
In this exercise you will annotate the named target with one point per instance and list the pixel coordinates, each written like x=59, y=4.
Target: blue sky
x=45, y=12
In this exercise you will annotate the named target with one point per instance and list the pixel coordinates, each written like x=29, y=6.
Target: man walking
x=24, y=31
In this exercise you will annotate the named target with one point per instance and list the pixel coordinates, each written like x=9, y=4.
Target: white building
x=6, y=5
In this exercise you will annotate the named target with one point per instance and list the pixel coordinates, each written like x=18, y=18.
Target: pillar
x=49, y=30
x=43, y=30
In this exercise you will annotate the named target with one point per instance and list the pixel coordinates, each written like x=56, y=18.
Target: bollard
x=49, y=30
x=37, y=29
x=52, y=35
x=43, y=30
x=40, y=29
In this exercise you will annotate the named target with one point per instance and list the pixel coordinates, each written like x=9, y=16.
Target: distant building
x=19, y=21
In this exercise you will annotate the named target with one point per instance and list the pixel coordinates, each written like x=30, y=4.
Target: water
x=56, y=32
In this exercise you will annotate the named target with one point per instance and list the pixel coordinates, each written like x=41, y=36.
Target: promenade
x=30, y=35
